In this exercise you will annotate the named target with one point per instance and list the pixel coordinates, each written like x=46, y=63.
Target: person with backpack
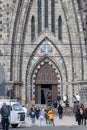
x=85, y=115
x=81, y=114
x=46, y=116
x=37, y=112
x=76, y=110
x=32, y=114
x=51, y=116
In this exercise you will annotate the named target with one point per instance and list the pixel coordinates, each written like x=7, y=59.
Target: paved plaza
x=65, y=121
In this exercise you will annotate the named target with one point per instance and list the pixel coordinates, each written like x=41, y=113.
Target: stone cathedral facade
x=43, y=48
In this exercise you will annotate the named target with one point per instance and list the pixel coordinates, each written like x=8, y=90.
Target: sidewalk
x=65, y=121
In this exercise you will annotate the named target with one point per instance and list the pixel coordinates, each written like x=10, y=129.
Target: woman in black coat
x=60, y=111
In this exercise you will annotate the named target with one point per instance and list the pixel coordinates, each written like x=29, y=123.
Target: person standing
x=60, y=111
x=37, y=112
x=5, y=113
x=58, y=99
x=42, y=118
x=46, y=116
x=51, y=116
x=76, y=110
x=65, y=100
x=82, y=110
x=77, y=97
x=32, y=114
x=85, y=115
x=49, y=98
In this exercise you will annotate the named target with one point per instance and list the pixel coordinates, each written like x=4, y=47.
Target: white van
x=17, y=115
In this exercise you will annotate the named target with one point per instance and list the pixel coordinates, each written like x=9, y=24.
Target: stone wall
x=71, y=47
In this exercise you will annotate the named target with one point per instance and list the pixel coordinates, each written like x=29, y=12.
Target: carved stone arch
x=46, y=75
x=35, y=66
x=49, y=74
x=40, y=63
x=47, y=39
x=14, y=37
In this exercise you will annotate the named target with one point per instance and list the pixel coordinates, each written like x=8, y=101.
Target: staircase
x=67, y=111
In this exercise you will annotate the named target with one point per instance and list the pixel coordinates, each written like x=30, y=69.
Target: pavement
x=65, y=121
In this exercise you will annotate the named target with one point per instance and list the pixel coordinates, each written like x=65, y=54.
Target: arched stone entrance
x=46, y=81
x=46, y=71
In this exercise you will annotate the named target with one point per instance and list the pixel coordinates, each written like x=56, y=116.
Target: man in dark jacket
x=32, y=115
x=60, y=111
x=5, y=113
x=76, y=110
x=58, y=99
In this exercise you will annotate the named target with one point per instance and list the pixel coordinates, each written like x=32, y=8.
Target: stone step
x=67, y=111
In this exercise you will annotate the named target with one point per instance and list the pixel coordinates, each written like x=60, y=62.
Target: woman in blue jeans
x=32, y=115
x=42, y=118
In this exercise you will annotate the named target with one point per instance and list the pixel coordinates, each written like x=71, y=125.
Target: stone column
x=18, y=90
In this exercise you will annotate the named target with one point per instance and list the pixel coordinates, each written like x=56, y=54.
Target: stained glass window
x=46, y=48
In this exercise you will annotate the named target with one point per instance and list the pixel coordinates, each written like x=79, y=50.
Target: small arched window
x=32, y=28
x=39, y=16
x=60, y=28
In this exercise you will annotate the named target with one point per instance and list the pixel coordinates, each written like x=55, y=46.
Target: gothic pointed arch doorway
x=46, y=82
x=46, y=71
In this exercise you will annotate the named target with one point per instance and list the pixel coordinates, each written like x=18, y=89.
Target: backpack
x=81, y=111
x=32, y=113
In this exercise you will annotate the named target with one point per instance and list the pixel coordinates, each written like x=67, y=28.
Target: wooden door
x=54, y=93
x=38, y=94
